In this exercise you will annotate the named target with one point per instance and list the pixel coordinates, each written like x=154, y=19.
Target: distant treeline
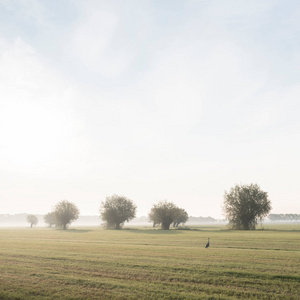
x=20, y=220
x=17, y=219
x=197, y=220
x=284, y=217
x=191, y=220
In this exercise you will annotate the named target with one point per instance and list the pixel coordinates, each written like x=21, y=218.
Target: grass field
x=146, y=263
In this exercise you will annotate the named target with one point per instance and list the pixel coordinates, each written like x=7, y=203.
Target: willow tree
x=166, y=213
x=65, y=213
x=116, y=210
x=32, y=220
x=245, y=205
x=50, y=218
x=181, y=217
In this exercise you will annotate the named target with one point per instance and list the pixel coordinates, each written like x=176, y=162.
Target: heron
x=207, y=245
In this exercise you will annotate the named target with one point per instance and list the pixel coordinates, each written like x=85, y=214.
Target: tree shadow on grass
x=77, y=230
x=152, y=231
x=178, y=230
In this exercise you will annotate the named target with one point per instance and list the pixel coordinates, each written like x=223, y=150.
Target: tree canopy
x=166, y=213
x=116, y=210
x=244, y=205
x=32, y=220
x=50, y=218
x=181, y=217
x=65, y=213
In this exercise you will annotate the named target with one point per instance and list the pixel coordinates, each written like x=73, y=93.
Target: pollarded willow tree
x=65, y=213
x=50, y=218
x=181, y=217
x=245, y=205
x=116, y=210
x=166, y=213
x=32, y=220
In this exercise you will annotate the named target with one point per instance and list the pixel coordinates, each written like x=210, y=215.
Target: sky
x=154, y=100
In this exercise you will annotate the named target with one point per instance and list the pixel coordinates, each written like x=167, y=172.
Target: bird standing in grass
x=207, y=245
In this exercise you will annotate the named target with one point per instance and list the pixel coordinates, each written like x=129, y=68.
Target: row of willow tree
x=244, y=206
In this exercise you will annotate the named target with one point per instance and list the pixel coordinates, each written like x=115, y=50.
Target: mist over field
x=19, y=220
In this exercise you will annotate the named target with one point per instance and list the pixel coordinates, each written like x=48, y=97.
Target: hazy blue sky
x=153, y=100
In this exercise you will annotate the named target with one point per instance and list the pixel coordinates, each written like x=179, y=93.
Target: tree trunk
x=165, y=226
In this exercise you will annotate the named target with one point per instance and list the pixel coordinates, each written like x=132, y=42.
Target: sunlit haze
x=153, y=100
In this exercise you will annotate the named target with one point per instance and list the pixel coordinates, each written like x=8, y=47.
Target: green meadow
x=146, y=263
